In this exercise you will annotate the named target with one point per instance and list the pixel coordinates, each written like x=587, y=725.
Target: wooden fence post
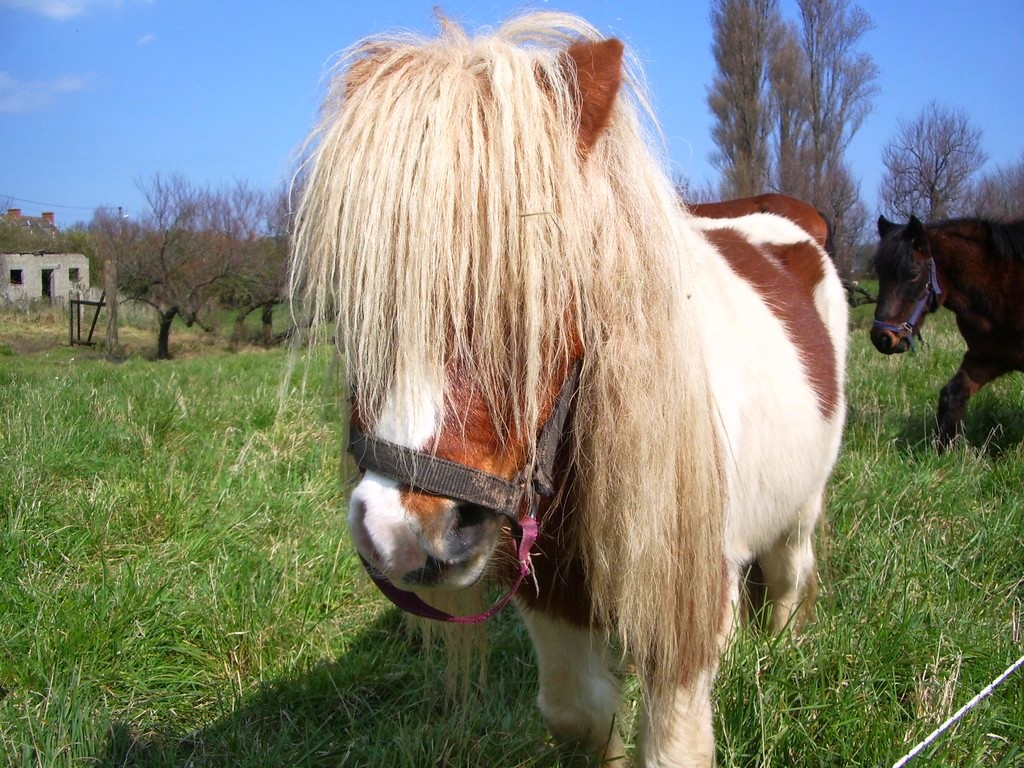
x=110, y=289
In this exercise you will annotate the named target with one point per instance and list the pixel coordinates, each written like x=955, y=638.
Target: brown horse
x=804, y=215
x=973, y=267
x=561, y=379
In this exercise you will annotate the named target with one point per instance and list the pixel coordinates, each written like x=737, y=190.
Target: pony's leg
x=790, y=574
x=734, y=612
x=687, y=739
x=579, y=694
x=972, y=376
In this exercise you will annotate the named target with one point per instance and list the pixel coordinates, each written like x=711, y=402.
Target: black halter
x=931, y=293
x=423, y=471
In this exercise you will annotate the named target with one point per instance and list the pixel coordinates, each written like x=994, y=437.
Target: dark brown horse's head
x=908, y=287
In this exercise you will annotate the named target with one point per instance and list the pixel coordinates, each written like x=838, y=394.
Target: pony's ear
x=917, y=233
x=885, y=226
x=598, y=74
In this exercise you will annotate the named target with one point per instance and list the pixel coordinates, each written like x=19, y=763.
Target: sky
x=99, y=96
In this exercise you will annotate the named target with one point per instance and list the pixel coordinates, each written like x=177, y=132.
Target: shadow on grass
x=380, y=704
x=991, y=425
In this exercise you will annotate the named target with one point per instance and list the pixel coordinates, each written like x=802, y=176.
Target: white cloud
x=18, y=97
x=62, y=10
x=146, y=40
x=59, y=10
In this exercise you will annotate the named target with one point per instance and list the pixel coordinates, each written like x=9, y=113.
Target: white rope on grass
x=959, y=713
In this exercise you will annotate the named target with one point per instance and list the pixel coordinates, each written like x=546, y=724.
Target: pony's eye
x=909, y=273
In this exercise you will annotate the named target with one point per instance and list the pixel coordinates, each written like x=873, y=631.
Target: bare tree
x=821, y=92
x=999, y=195
x=745, y=32
x=179, y=257
x=789, y=88
x=849, y=224
x=841, y=83
x=259, y=282
x=804, y=86
x=690, y=194
x=929, y=165
x=195, y=249
x=111, y=236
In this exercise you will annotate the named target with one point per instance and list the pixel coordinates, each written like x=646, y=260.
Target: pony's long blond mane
x=446, y=215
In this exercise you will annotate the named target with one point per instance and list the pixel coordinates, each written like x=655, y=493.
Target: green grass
x=177, y=587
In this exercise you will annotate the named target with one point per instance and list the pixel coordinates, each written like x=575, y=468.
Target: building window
x=73, y=274
x=16, y=277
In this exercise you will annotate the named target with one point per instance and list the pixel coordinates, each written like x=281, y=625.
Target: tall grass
x=177, y=586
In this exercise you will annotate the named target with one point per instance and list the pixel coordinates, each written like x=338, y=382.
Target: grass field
x=177, y=587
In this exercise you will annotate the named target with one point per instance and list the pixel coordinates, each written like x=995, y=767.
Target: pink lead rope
x=416, y=605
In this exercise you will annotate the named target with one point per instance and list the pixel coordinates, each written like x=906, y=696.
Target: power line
x=53, y=205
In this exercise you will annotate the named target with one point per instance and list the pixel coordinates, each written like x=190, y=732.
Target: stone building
x=26, y=276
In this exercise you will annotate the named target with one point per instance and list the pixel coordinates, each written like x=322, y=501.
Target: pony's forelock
x=429, y=226
x=894, y=254
x=446, y=216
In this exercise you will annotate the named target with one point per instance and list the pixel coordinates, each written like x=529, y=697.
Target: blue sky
x=97, y=96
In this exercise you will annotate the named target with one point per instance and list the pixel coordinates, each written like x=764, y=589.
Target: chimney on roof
x=48, y=217
x=14, y=213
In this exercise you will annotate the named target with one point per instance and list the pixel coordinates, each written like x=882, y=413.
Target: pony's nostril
x=360, y=535
x=472, y=515
x=472, y=525
x=884, y=341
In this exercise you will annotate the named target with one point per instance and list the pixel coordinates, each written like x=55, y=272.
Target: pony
x=813, y=221
x=975, y=268
x=561, y=380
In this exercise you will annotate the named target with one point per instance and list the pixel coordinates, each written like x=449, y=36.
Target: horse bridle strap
x=931, y=292
x=423, y=471
x=433, y=474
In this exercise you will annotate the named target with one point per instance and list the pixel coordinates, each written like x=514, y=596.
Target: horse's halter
x=931, y=293
x=424, y=471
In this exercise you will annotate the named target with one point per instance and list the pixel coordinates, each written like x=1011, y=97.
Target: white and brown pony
x=809, y=218
x=537, y=335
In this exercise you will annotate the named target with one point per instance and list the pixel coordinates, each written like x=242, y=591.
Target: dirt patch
x=29, y=333
x=41, y=329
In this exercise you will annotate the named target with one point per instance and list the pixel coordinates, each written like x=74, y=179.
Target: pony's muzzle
x=419, y=540
x=889, y=343
x=466, y=541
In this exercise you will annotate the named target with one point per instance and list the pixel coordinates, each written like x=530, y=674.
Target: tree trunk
x=110, y=295
x=163, y=348
x=238, y=336
x=268, y=325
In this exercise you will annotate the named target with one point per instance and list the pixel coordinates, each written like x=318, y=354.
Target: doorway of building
x=48, y=284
